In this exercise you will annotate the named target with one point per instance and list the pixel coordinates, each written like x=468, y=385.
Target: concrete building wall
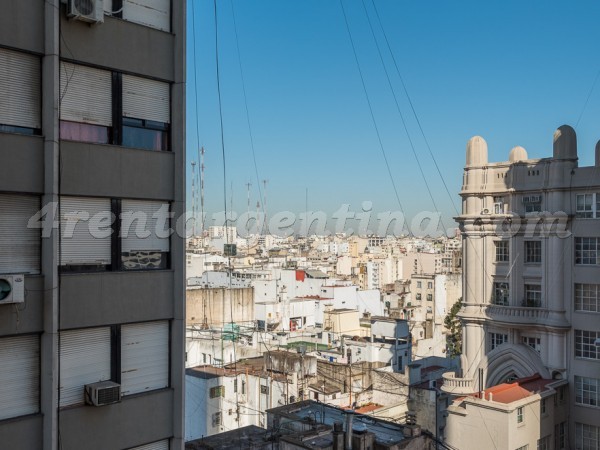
x=219, y=306
x=58, y=301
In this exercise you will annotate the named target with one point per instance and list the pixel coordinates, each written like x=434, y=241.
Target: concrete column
x=178, y=242
x=49, y=341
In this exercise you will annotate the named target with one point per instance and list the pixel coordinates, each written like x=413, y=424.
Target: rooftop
x=517, y=390
x=308, y=410
x=250, y=437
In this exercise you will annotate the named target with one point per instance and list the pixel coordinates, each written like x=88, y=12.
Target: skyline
x=470, y=75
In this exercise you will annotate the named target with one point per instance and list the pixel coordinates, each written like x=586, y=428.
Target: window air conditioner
x=485, y=211
x=12, y=289
x=102, y=393
x=91, y=11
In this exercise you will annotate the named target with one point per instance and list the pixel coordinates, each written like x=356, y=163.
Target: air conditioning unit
x=12, y=289
x=91, y=11
x=485, y=211
x=102, y=393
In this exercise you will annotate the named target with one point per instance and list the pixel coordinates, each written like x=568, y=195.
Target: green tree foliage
x=451, y=322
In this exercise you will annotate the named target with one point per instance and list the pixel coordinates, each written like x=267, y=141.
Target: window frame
x=586, y=294
x=584, y=345
x=532, y=255
x=533, y=295
x=587, y=391
x=520, y=415
x=501, y=293
x=497, y=339
x=587, y=251
x=502, y=251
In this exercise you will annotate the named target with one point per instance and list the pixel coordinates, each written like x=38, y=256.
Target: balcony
x=526, y=315
x=457, y=386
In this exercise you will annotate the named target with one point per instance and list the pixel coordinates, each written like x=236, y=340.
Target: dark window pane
x=83, y=132
x=145, y=138
x=20, y=130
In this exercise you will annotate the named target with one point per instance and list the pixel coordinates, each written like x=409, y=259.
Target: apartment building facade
x=91, y=145
x=531, y=249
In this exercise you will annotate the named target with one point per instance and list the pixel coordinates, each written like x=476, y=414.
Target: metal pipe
x=349, y=418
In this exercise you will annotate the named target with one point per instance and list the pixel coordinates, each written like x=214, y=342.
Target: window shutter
x=19, y=244
x=20, y=89
x=85, y=94
x=149, y=210
x=146, y=99
x=83, y=247
x=159, y=445
x=144, y=357
x=19, y=376
x=84, y=359
x=153, y=13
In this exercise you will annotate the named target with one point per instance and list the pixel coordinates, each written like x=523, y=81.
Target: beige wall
x=219, y=306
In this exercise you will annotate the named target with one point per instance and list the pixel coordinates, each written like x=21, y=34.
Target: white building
x=531, y=289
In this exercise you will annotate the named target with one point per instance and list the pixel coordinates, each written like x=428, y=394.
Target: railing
x=453, y=385
x=519, y=312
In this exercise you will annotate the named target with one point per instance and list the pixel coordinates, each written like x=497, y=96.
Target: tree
x=452, y=323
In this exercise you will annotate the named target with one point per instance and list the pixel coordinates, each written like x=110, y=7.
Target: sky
x=509, y=71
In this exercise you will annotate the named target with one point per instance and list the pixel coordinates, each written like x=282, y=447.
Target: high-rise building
x=531, y=278
x=92, y=160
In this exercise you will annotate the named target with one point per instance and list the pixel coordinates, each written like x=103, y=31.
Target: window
x=418, y=296
x=419, y=284
x=144, y=236
x=587, y=297
x=498, y=205
x=19, y=375
x=587, y=251
x=520, y=414
x=144, y=357
x=85, y=357
x=497, y=339
x=533, y=342
x=20, y=91
x=533, y=296
x=20, y=245
x=243, y=387
x=429, y=297
x=584, y=344
x=585, y=206
x=120, y=109
x=587, y=437
x=264, y=389
x=316, y=396
x=89, y=235
x=586, y=391
x=235, y=385
x=560, y=434
x=217, y=391
x=532, y=203
x=216, y=419
x=533, y=252
x=502, y=253
x=544, y=443
x=429, y=285
x=151, y=13
x=500, y=294
x=543, y=406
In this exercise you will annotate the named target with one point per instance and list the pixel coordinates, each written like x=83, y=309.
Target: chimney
x=338, y=436
x=349, y=418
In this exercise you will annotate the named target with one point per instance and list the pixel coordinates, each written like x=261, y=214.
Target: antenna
x=202, y=189
x=194, y=230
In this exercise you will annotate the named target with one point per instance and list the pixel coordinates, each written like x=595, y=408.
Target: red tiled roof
x=517, y=390
x=367, y=408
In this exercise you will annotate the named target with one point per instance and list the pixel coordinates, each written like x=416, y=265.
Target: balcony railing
x=524, y=312
x=457, y=386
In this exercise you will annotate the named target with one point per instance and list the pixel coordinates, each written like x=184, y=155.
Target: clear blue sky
x=510, y=71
